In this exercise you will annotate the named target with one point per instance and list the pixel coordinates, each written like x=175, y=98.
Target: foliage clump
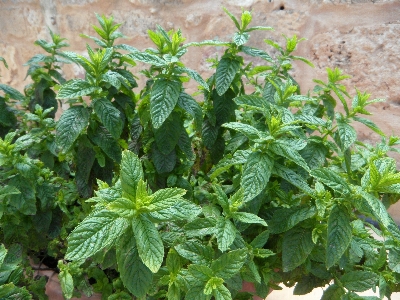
x=156, y=195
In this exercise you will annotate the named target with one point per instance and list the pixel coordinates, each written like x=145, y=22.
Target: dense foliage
x=155, y=195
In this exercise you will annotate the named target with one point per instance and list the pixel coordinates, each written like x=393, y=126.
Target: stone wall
x=359, y=36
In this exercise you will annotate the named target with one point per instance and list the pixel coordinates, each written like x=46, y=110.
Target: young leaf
x=67, y=284
x=109, y=116
x=164, y=96
x=97, y=231
x=137, y=278
x=297, y=245
x=131, y=172
x=225, y=73
x=148, y=241
x=233, y=18
x=229, y=264
x=359, y=281
x=256, y=173
x=71, y=124
x=226, y=233
x=339, y=234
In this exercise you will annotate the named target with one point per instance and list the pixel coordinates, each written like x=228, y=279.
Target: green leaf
x=196, y=76
x=226, y=233
x=179, y=210
x=284, y=149
x=201, y=227
x=165, y=198
x=109, y=116
x=195, y=252
x=331, y=179
x=67, y=284
x=25, y=201
x=229, y=264
x=256, y=173
x=148, y=58
x=163, y=98
x=164, y=163
x=10, y=291
x=249, y=131
x=259, y=28
x=137, y=278
x=260, y=240
x=369, y=124
x=339, y=234
x=202, y=273
x=249, y=218
x=222, y=293
x=297, y=245
x=347, y=134
x=3, y=253
x=233, y=18
x=70, y=126
x=131, y=172
x=149, y=243
x=123, y=207
x=292, y=177
x=167, y=135
x=378, y=210
x=250, y=100
x=394, y=260
x=190, y=105
x=359, y=281
x=240, y=38
x=4, y=61
x=76, y=88
x=286, y=218
x=239, y=157
x=8, y=190
x=106, y=142
x=13, y=93
x=196, y=293
x=256, y=53
x=333, y=292
x=225, y=73
x=97, y=231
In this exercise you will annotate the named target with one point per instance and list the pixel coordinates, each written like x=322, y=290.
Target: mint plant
x=153, y=194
